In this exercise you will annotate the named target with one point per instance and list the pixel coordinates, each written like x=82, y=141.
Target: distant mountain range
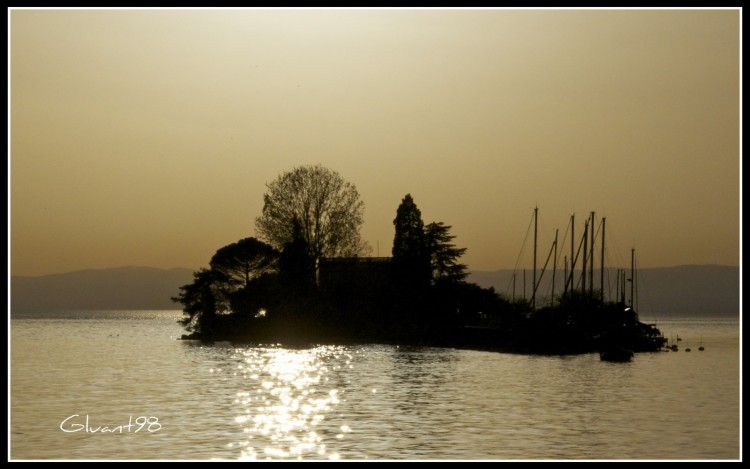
x=124, y=288
x=690, y=290
x=685, y=291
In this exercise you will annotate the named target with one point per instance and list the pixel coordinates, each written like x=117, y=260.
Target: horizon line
x=164, y=269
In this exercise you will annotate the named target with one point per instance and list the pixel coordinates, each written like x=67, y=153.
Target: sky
x=147, y=137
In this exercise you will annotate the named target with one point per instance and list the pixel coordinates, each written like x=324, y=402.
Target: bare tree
x=327, y=207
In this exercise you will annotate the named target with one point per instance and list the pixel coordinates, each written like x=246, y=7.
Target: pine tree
x=444, y=254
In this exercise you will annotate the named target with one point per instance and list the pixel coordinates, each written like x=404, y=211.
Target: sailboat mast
x=554, y=270
x=572, y=249
x=591, y=258
x=632, y=275
x=617, y=285
x=585, y=253
x=635, y=283
x=533, y=279
x=604, y=221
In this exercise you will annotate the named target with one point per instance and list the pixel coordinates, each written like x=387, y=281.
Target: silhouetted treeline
x=253, y=292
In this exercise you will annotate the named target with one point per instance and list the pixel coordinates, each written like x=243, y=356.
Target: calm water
x=359, y=402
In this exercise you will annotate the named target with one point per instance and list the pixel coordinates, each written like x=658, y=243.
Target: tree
x=244, y=260
x=203, y=299
x=296, y=268
x=410, y=251
x=327, y=208
x=443, y=254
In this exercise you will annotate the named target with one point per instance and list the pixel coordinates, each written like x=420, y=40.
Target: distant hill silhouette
x=685, y=291
x=117, y=288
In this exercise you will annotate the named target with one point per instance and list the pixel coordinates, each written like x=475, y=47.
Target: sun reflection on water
x=282, y=412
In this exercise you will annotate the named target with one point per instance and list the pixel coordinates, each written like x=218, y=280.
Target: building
x=367, y=277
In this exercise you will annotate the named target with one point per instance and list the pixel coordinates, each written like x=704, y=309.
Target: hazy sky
x=146, y=137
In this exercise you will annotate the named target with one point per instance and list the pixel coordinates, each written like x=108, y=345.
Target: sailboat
x=674, y=346
x=582, y=321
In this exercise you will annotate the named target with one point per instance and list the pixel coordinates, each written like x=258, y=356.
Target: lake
x=116, y=385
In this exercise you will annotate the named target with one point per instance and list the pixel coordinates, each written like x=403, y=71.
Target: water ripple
x=371, y=402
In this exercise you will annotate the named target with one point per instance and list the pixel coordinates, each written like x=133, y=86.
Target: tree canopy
x=244, y=260
x=409, y=240
x=327, y=207
x=203, y=299
x=421, y=251
x=444, y=254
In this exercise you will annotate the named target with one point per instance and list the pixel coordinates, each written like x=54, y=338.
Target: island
x=308, y=281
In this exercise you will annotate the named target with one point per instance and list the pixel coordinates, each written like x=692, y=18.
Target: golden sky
x=146, y=137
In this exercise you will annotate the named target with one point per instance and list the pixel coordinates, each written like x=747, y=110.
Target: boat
x=580, y=320
x=616, y=355
x=671, y=345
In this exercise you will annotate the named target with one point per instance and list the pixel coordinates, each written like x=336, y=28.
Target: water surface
x=359, y=402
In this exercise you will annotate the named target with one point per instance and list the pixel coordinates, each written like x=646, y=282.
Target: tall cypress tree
x=411, y=257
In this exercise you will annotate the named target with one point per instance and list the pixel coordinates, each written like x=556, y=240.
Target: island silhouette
x=307, y=282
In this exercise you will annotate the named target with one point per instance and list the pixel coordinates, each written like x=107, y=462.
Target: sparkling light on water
x=287, y=400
